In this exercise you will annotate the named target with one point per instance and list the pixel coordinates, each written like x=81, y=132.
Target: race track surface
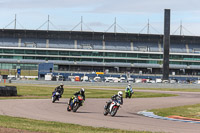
x=91, y=114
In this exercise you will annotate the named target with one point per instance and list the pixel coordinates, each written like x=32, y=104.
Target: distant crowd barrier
x=8, y=91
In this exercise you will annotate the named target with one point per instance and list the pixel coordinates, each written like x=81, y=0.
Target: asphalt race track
x=91, y=114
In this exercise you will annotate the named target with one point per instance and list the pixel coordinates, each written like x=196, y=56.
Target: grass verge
x=170, y=89
x=191, y=111
x=37, y=91
x=54, y=127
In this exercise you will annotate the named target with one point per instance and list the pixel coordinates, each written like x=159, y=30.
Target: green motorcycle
x=128, y=93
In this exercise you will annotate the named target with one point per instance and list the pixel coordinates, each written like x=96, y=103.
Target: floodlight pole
x=166, y=43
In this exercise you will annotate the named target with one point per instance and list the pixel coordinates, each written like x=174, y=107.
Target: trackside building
x=97, y=51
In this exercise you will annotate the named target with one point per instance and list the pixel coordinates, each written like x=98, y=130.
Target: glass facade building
x=89, y=51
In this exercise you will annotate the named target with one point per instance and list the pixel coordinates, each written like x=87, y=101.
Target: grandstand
x=97, y=51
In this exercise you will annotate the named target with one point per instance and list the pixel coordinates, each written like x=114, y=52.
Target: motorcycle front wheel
x=114, y=111
x=53, y=99
x=68, y=109
x=126, y=95
x=75, y=107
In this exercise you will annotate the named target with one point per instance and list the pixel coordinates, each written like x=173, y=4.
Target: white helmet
x=129, y=84
x=120, y=93
x=82, y=90
x=61, y=84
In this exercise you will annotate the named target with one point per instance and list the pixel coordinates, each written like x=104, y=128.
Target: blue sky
x=99, y=15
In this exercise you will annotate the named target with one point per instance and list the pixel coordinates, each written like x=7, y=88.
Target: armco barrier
x=8, y=91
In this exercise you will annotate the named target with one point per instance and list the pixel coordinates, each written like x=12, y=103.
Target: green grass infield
x=190, y=111
x=54, y=127
x=44, y=91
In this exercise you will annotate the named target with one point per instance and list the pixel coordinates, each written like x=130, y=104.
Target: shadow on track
x=84, y=112
x=124, y=116
x=61, y=103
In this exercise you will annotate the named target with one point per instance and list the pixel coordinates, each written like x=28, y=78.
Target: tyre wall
x=8, y=91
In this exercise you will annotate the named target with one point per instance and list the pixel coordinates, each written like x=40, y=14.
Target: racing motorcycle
x=75, y=103
x=128, y=93
x=55, y=96
x=112, y=109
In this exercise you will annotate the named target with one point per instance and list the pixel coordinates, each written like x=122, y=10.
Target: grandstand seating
x=98, y=45
x=89, y=44
x=194, y=48
x=61, y=43
x=8, y=42
x=124, y=46
x=178, y=48
x=145, y=47
x=30, y=42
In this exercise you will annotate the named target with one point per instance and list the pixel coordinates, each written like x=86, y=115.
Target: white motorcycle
x=112, y=109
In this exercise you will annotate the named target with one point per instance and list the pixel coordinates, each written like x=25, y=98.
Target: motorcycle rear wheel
x=105, y=112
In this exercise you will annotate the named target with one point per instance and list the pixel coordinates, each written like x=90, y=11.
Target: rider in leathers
x=59, y=89
x=117, y=97
x=129, y=87
x=81, y=92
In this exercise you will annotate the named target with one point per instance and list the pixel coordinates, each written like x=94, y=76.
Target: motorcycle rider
x=59, y=89
x=129, y=87
x=118, y=97
x=81, y=92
